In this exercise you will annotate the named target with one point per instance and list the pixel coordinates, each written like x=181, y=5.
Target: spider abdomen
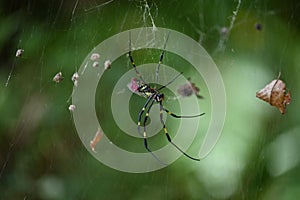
x=147, y=90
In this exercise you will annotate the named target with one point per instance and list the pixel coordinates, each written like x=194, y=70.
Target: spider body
x=153, y=95
x=149, y=92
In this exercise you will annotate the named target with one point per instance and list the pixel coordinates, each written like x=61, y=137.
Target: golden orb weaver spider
x=154, y=95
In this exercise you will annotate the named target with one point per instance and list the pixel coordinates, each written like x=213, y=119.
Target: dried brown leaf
x=275, y=94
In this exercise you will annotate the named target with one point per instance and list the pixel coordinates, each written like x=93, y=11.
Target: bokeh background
x=251, y=42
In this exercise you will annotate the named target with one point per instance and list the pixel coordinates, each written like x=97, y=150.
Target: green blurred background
x=41, y=154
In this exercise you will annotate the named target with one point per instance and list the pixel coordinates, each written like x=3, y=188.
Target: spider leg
x=161, y=58
x=179, y=116
x=141, y=113
x=144, y=124
x=168, y=136
x=132, y=61
x=170, y=81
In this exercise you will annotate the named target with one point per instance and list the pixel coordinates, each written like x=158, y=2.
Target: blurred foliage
x=41, y=156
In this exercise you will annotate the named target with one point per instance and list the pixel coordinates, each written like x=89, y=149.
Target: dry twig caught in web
x=96, y=139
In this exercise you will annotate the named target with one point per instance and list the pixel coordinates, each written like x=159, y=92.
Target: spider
x=154, y=95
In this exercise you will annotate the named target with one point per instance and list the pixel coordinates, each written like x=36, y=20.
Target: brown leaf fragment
x=275, y=94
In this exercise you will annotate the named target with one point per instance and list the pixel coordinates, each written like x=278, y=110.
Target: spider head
x=159, y=97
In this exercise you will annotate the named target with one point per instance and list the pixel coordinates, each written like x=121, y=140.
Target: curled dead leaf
x=275, y=94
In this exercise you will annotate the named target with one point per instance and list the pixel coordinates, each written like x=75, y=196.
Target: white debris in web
x=225, y=31
x=72, y=107
x=95, y=56
x=107, y=64
x=19, y=52
x=147, y=12
x=95, y=64
x=75, y=78
x=58, y=77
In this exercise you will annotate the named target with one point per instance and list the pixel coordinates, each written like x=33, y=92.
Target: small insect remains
x=188, y=89
x=275, y=94
x=154, y=95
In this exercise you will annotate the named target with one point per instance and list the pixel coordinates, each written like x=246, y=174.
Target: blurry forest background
x=251, y=41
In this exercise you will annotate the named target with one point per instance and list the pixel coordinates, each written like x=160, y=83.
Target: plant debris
x=275, y=94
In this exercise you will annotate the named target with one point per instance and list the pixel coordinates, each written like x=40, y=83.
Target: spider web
x=251, y=42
